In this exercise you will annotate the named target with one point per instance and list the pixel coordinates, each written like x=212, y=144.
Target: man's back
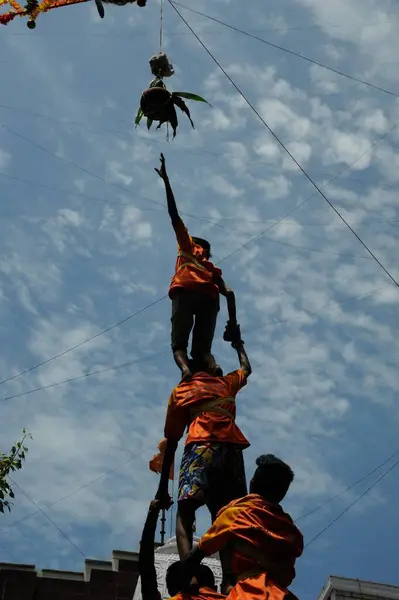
x=255, y=528
x=206, y=405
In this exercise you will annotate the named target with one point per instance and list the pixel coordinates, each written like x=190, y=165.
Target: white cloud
x=318, y=316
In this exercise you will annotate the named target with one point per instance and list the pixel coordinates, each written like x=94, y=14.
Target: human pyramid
x=258, y=543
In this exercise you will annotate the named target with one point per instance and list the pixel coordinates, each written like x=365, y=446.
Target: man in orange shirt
x=212, y=467
x=264, y=541
x=194, y=291
x=148, y=574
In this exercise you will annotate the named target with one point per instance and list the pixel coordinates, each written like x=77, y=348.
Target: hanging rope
x=161, y=29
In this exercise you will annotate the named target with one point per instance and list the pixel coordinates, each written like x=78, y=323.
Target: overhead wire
x=61, y=531
x=89, y=339
x=278, y=140
x=79, y=489
x=84, y=376
x=126, y=319
x=343, y=512
x=286, y=50
x=126, y=364
x=348, y=488
x=199, y=217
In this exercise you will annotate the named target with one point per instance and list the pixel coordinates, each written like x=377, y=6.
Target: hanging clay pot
x=158, y=104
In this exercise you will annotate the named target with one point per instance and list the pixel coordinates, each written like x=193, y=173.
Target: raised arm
x=245, y=365
x=162, y=493
x=148, y=574
x=230, y=298
x=170, y=199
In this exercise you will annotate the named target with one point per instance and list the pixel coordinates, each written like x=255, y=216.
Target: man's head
x=272, y=478
x=174, y=578
x=204, y=244
x=207, y=364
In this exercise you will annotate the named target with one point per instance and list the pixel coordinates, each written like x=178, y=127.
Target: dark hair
x=272, y=478
x=173, y=578
x=207, y=364
x=201, y=242
x=204, y=575
x=204, y=244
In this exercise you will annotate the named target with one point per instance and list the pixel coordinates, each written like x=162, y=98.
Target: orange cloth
x=155, y=463
x=197, y=277
x=264, y=530
x=203, y=594
x=208, y=426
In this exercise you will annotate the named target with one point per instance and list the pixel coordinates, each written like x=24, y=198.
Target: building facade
x=342, y=588
x=168, y=554
x=116, y=579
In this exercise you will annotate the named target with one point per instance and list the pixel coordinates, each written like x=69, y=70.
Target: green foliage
x=189, y=96
x=138, y=118
x=149, y=123
x=9, y=463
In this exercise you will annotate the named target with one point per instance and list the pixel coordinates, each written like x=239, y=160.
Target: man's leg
x=206, y=312
x=185, y=520
x=182, y=322
x=196, y=457
x=227, y=482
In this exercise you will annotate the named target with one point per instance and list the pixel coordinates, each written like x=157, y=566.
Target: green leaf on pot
x=149, y=123
x=189, y=96
x=139, y=116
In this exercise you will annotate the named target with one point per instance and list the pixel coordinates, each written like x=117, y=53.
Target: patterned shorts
x=212, y=473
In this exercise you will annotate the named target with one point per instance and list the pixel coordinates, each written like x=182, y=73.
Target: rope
x=286, y=150
x=161, y=28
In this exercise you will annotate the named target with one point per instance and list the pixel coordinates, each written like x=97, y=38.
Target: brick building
x=100, y=580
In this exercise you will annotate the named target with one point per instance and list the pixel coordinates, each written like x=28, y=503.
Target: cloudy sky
x=86, y=243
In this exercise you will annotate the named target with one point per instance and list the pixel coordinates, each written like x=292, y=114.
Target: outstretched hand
x=232, y=333
x=162, y=502
x=162, y=171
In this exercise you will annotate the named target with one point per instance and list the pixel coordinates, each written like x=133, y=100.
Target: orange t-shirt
x=193, y=271
x=268, y=532
x=187, y=399
x=204, y=593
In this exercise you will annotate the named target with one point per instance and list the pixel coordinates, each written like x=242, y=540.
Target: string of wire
x=150, y=305
x=286, y=50
x=278, y=140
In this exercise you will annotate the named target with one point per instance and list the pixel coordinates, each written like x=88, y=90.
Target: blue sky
x=324, y=389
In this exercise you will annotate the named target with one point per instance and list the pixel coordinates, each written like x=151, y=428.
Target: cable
x=347, y=488
x=49, y=519
x=308, y=177
x=84, y=486
x=70, y=379
x=198, y=217
x=89, y=339
x=182, y=33
x=75, y=165
x=115, y=367
x=277, y=47
x=222, y=260
x=331, y=523
x=161, y=28
x=225, y=258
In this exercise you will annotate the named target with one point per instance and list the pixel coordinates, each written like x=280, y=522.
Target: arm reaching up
x=170, y=199
x=245, y=365
x=162, y=494
x=148, y=574
x=230, y=298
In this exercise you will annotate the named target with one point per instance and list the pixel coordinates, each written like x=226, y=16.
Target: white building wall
x=168, y=554
x=341, y=588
